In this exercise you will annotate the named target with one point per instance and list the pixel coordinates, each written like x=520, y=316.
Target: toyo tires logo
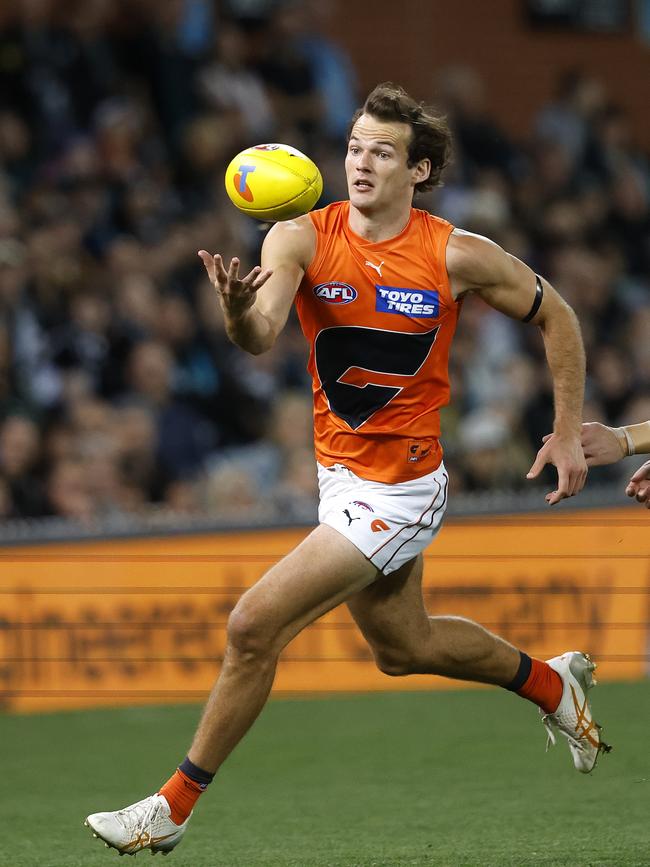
x=335, y=292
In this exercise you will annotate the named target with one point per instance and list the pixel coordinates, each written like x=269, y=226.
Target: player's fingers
x=578, y=481
x=256, y=278
x=261, y=278
x=208, y=263
x=538, y=465
x=233, y=270
x=546, y=438
x=573, y=483
x=563, y=487
x=561, y=493
x=220, y=274
x=249, y=279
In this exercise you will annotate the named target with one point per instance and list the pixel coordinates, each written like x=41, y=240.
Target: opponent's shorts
x=389, y=524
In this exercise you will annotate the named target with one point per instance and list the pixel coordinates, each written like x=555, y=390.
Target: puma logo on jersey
x=335, y=292
x=376, y=267
x=413, y=302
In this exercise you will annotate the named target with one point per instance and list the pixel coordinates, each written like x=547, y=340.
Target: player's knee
x=247, y=633
x=395, y=663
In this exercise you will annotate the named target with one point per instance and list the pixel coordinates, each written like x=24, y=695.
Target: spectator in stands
x=20, y=452
x=184, y=438
x=68, y=493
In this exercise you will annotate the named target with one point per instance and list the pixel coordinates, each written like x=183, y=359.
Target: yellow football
x=273, y=182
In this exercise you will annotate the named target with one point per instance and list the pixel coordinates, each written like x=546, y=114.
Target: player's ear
x=422, y=171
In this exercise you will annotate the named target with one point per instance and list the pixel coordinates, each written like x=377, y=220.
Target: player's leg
x=405, y=639
x=323, y=571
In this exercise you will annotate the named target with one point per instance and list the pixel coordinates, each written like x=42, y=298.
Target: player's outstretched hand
x=565, y=453
x=237, y=294
x=639, y=485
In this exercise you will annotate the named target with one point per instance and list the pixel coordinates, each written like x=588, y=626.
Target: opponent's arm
x=256, y=307
x=476, y=264
x=606, y=445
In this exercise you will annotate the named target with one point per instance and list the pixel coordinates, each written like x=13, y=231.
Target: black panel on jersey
x=342, y=348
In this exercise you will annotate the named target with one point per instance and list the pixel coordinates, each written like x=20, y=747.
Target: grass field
x=444, y=778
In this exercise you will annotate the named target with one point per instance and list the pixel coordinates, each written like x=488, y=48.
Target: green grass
x=444, y=778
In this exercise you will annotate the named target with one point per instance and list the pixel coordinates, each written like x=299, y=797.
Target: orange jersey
x=379, y=319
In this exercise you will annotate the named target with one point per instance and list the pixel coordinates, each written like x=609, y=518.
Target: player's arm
x=476, y=264
x=256, y=307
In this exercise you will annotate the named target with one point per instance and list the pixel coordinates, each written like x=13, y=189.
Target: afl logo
x=335, y=292
x=266, y=147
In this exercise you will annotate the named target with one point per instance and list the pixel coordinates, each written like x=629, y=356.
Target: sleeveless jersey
x=379, y=319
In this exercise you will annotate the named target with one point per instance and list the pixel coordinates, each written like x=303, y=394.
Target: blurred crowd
x=118, y=388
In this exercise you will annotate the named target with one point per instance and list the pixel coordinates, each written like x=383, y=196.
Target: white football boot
x=573, y=716
x=144, y=825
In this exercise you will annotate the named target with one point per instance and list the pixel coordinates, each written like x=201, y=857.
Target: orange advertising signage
x=125, y=622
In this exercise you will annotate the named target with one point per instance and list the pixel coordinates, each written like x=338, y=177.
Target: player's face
x=376, y=164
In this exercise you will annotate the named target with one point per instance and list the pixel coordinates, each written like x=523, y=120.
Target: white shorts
x=389, y=524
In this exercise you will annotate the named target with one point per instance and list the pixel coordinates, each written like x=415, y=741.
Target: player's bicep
x=507, y=284
x=512, y=288
x=525, y=296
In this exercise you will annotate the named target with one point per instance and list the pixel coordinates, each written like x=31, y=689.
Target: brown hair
x=430, y=133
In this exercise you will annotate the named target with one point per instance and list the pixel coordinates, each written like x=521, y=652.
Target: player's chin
x=365, y=200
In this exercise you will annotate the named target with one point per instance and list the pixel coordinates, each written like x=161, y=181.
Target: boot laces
x=140, y=816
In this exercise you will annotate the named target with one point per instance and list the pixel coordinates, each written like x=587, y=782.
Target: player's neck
x=378, y=227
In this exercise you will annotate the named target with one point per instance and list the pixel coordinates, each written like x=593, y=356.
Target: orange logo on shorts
x=378, y=525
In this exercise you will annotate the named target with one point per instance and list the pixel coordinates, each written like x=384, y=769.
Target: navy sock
x=523, y=673
x=203, y=778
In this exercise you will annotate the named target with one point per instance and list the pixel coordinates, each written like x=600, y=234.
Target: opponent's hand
x=236, y=294
x=565, y=453
x=639, y=485
x=599, y=443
